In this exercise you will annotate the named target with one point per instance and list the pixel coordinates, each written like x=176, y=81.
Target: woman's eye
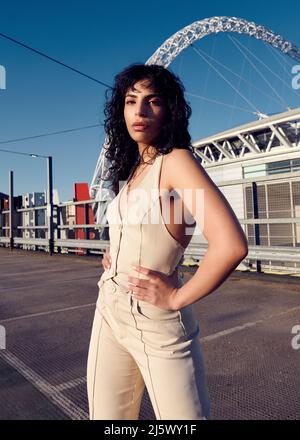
x=156, y=103
x=151, y=102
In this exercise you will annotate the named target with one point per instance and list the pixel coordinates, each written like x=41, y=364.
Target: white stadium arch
x=100, y=190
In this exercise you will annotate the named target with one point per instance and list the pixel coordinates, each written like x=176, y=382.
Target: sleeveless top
x=138, y=234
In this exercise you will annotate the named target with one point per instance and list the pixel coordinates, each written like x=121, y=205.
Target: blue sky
x=101, y=38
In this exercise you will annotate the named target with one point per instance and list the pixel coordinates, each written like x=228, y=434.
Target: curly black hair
x=122, y=150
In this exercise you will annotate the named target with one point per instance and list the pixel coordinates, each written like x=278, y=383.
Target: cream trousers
x=136, y=344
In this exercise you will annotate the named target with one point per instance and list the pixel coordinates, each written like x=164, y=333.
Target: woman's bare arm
x=227, y=243
x=106, y=260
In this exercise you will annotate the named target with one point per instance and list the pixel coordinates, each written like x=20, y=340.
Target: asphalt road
x=46, y=309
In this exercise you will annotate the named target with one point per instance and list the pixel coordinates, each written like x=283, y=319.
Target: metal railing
x=55, y=242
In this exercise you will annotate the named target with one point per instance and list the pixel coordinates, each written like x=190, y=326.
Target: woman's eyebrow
x=151, y=95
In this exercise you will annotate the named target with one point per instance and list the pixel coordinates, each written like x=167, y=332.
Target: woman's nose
x=140, y=109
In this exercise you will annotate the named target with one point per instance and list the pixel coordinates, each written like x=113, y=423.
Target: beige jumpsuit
x=134, y=343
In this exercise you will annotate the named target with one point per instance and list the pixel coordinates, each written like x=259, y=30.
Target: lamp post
x=11, y=210
x=49, y=198
x=50, y=206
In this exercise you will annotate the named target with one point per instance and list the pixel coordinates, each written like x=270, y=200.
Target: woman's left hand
x=157, y=289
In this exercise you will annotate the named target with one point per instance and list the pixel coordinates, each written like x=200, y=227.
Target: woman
x=145, y=332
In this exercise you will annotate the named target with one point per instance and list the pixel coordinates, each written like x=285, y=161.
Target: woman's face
x=144, y=106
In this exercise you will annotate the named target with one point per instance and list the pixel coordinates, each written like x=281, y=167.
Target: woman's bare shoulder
x=179, y=153
x=182, y=168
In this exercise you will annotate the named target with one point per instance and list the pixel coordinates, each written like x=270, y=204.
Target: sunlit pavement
x=46, y=309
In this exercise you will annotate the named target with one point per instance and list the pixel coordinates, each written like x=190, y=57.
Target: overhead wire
x=219, y=102
x=53, y=59
x=8, y=141
x=225, y=79
x=238, y=44
x=238, y=76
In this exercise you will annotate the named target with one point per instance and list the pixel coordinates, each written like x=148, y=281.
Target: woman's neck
x=147, y=152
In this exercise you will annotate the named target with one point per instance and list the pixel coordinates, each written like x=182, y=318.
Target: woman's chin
x=142, y=138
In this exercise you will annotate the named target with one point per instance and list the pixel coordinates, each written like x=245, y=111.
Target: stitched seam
x=194, y=369
x=149, y=372
x=141, y=332
x=134, y=393
x=181, y=323
x=196, y=383
x=95, y=369
x=140, y=249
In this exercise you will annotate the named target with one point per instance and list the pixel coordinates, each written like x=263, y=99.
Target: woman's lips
x=140, y=127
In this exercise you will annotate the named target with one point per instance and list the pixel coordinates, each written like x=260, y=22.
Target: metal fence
x=273, y=234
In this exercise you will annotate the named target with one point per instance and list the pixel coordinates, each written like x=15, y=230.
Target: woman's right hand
x=106, y=260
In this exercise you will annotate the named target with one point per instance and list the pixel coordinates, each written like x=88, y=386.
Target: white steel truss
x=217, y=149
x=179, y=41
x=257, y=138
